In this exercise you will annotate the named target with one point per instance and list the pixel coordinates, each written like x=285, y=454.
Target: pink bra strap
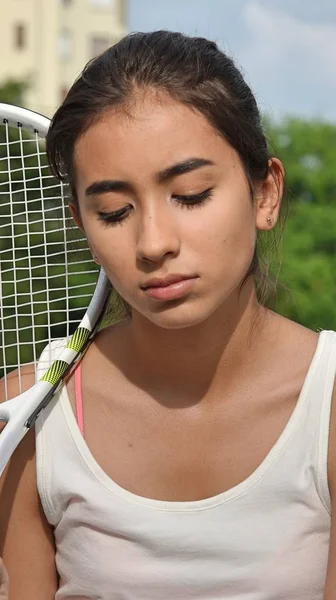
x=79, y=398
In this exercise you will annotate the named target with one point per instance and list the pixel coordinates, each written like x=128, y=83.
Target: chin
x=178, y=315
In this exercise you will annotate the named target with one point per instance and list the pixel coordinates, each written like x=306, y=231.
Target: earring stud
x=269, y=221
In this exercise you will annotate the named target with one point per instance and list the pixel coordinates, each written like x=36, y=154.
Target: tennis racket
x=49, y=286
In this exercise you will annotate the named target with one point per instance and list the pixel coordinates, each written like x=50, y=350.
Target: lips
x=158, y=282
x=172, y=287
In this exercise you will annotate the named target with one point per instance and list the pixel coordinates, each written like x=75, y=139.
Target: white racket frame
x=21, y=412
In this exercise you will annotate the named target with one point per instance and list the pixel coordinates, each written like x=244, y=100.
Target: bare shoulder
x=284, y=328
x=290, y=344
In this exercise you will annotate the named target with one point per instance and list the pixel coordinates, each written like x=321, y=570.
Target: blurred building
x=48, y=42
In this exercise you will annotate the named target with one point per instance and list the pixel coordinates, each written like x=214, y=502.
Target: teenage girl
x=192, y=454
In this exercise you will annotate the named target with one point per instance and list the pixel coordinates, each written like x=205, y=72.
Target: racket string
x=47, y=276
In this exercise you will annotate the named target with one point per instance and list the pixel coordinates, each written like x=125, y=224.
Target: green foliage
x=12, y=91
x=309, y=266
x=308, y=151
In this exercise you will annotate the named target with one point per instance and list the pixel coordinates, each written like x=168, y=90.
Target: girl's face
x=167, y=210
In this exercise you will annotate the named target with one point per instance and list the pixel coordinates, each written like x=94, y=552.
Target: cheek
x=112, y=246
x=226, y=232
x=116, y=257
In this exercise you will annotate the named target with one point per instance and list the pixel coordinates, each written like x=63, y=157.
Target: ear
x=74, y=210
x=269, y=195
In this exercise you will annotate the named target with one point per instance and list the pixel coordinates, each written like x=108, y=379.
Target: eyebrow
x=181, y=168
x=107, y=185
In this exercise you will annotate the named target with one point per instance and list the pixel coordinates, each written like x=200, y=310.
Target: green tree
x=308, y=151
x=12, y=91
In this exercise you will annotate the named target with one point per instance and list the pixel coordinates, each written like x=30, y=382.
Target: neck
x=193, y=360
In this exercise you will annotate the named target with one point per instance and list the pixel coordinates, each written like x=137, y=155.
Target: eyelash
x=195, y=200
x=189, y=202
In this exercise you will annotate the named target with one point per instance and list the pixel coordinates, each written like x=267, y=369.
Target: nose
x=157, y=236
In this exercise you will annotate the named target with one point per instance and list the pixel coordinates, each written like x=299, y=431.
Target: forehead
x=152, y=133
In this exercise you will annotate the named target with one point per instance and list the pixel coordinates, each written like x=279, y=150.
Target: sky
x=285, y=48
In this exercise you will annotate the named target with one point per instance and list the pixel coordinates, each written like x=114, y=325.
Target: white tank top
x=265, y=539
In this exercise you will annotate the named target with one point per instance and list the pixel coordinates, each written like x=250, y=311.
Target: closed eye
x=116, y=217
x=185, y=201
x=193, y=200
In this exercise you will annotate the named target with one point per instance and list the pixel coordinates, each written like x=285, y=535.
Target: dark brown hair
x=193, y=71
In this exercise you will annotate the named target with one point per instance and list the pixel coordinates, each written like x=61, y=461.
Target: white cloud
x=295, y=59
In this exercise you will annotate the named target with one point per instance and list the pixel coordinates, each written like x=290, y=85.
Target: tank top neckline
x=205, y=503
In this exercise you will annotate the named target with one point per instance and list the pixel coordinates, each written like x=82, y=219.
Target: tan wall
x=40, y=59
